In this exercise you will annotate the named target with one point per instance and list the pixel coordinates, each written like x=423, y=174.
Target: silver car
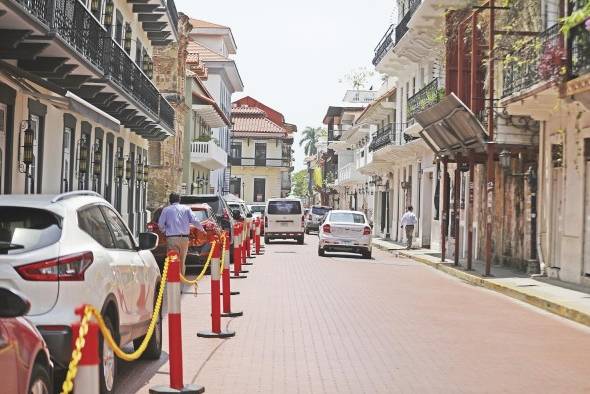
x=345, y=231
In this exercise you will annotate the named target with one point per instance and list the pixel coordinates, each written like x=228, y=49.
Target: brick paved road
x=344, y=325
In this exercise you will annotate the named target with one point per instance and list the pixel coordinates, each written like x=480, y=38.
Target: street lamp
x=127, y=40
x=505, y=159
x=108, y=14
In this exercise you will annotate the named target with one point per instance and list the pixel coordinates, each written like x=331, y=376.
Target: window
x=284, y=207
x=260, y=154
x=119, y=28
x=347, y=217
x=122, y=237
x=235, y=186
x=93, y=223
x=320, y=210
x=259, y=189
x=138, y=57
x=200, y=214
x=155, y=153
x=25, y=229
x=236, y=153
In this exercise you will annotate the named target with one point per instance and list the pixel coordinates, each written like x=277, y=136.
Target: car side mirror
x=148, y=241
x=13, y=303
x=236, y=215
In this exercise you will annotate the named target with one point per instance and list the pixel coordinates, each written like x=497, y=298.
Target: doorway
x=260, y=154
x=426, y=209
x=556, y=188
x=259, y=189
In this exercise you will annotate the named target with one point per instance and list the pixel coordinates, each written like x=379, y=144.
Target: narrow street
x=343, y=324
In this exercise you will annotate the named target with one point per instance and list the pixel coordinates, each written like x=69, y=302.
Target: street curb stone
x=519, y=294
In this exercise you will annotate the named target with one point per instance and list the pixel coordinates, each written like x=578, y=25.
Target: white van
x=284, y=219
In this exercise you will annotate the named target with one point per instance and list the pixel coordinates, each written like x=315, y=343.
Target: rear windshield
x=200, y=215
x=320, y=210
x=25, y=229
x=213, y=202
x=284, y=208
x=347, y=217
x=257, y=208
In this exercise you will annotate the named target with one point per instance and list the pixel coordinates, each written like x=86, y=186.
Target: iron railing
x=260, y=162
x=579, y=50
x=424, y=98
x=387, y=41
x=76, y=25
x=537, y=60
x=402, y=27
x=382, y=138
x=173, y=13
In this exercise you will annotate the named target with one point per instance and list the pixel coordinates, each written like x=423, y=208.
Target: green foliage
x=358, y=77
x=311, y=137
x=299, y=182
x=575, y=18
x=204, y=138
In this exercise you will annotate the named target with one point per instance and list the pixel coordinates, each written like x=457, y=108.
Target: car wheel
x=154, y=347
x=40, y=379
x=300, y=240
x=368, y=254
x=321, y=252
x=306, y=231
x=266, y=239
x=108, y=365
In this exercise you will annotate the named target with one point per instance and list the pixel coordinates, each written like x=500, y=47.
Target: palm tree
x=310, y=138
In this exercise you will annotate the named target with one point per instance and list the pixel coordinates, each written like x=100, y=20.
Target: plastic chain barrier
x=88, y=312
x=223, y=242
x=202, y=274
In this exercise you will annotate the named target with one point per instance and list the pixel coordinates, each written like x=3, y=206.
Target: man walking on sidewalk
x=409, y=220
x=174, y=222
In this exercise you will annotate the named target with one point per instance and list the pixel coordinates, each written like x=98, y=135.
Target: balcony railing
x=382, y=138
x=76, y=25
x=402, y=27
x=173, y=13
x=579, y=44
x=208, y=155
x=387, y=41
x=424, y=98
x=537, y=60
x=260, y=162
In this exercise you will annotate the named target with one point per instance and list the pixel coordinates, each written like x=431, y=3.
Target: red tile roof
x=203, y=53
x=253, y=122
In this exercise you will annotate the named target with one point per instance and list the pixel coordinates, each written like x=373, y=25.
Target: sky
x=293, y=55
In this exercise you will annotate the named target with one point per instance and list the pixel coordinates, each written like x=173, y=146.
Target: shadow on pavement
x=135, y=375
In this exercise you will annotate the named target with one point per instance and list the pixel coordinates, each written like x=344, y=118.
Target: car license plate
x=346, y=242
x=284, y=224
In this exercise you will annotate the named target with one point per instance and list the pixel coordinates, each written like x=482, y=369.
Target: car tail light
x=67, y=268
x=152, y=227
x=326, y=228
x=302, y=220
x=367, y=230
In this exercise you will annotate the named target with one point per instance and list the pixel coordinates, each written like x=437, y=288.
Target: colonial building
x=78, y=97
x=261, y=154
x=215, y=45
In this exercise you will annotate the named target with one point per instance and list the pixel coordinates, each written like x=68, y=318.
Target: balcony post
x=456, y=208
x=445, y=212
x=491, y=176
x=470, y=213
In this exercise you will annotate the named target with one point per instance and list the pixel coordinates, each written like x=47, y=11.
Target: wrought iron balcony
x=72, y=23
x=260, y=162
x=539, y=59
x=382, y=138
x=386, y=43
x=402, y=27
x=424, y=98
x=579, y=49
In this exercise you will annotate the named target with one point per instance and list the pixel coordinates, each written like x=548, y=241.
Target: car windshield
x=347, y=217
x=257, y=208
x=284, y=208
x=236, y=207
x=320, y=210
x=26, y=229
x=200, y=214
x=212, y=201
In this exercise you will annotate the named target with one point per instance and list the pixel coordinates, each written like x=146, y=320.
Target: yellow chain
x=90, y=311
x=221, y=266
x=68, y=383
x=200, y=276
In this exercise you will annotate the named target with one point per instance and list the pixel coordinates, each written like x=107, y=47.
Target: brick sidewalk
x=348, y=325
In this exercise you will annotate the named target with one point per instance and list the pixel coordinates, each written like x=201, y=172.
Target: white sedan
x=73, y=249
x=345, y=231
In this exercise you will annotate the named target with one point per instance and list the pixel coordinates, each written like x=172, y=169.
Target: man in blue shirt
x=174, y=222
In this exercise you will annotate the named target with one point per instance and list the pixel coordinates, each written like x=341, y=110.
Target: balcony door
x=236, y=153
x=259, y=189
x=260, y=154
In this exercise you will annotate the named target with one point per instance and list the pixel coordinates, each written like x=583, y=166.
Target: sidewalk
x=540, y=292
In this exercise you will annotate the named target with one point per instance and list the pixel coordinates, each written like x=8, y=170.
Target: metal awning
x=209, y=115
x=451, y=127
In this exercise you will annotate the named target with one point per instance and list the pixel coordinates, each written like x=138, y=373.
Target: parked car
x=199, y=242
x=283, y=219
x=73, y=249
x=245, y=213
x=315, y=217
x=258, y=211
x=345, y=231
x=24, y=357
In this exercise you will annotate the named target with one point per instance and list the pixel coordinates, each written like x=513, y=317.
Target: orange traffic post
x=257, y=225
x=238, y=252
x=227, y=293
x=87, y=378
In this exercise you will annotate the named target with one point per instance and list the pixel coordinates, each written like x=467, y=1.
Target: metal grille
x=424, y=98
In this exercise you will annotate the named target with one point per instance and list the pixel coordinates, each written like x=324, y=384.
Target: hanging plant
x=550, y=62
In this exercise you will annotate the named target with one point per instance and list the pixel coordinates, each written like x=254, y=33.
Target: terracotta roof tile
x=204, y=53
x=204, y=24
x=248, y=121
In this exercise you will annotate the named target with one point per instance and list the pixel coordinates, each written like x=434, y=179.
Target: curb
x=521, y=295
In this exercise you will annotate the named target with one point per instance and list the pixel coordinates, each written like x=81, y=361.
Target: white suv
x=284, y=219
x=73, y=249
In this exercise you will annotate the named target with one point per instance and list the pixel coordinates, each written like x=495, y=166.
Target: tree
x=311, y=137
x=358, y=77
x=299, y=184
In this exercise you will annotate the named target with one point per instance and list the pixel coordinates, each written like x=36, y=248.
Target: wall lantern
x=139, y=175
x=505, y=159
x=127, y=40
x=108, y=13
x=94, y=4
x=405, y=185
x=128, y=169
x=29, y=138
x=120, y=166
x=146, y=171
x=463, y=166
x=83, y=156
x=97, y=162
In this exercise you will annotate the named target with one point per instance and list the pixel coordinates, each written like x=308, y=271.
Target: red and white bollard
x=247, y=245
x=216, y=331
x=227, y=293
x=173, y=288
x=257, y=225
x=238, y=252
x=86, y=379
